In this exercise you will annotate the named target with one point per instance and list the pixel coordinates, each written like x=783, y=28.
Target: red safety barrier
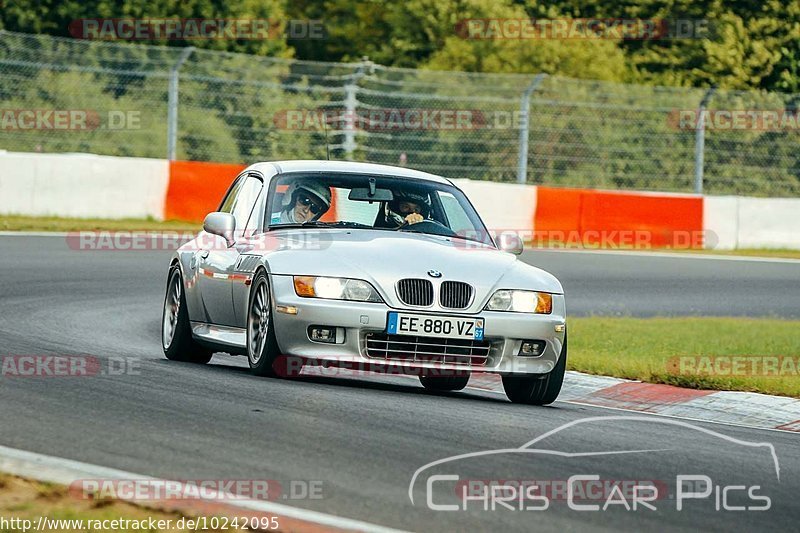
x=196, y=188
x=618, y=219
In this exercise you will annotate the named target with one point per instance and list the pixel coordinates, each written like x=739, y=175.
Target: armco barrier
x=666, y=220
x=741, y=222
x=82, y=185
x=721, y=219
x=502, y=206
x=86, y=185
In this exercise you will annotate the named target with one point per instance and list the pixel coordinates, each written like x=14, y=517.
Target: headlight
x=521, y=302
x=335, y=289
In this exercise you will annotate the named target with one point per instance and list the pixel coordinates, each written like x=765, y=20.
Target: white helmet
x=312, y=187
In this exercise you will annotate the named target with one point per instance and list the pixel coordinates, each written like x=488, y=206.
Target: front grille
x=455, y=294
x=416, y=292
x=427, y=349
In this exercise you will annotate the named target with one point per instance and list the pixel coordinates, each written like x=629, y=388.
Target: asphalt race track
x=364, y=438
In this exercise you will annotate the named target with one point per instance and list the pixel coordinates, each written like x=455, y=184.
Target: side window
x=227, y=203
x=256, y=214
x=241, y=200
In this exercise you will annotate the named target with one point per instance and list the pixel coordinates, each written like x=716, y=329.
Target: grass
x=690, y=352
x=28, y=500
x=748, y=252
x=24, y=223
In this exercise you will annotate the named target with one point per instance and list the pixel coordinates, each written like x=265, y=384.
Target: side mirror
x=221, y=224
x=510, y=242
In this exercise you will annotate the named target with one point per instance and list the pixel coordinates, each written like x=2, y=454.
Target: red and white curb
x=727, y=407
x=724, y=407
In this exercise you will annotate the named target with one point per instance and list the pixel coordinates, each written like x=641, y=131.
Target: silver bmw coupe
x=363, y=266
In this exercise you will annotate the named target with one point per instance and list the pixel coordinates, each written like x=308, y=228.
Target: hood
x=384, y=257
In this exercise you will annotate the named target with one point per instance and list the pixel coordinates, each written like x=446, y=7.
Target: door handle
x=202, y=254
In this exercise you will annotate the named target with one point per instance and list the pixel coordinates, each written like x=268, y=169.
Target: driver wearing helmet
x=304, y=201
x=407, y=207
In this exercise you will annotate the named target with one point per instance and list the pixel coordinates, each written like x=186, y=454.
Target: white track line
x=64, y=471
x=61, y=234
x=669, y=255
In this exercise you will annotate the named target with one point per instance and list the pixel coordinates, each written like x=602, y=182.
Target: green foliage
x=750, y=45
x=53, y=17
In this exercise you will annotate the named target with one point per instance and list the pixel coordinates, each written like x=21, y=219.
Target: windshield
x=373, y=202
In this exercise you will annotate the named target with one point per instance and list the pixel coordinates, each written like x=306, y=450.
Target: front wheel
x=538, y=390
x=176, y=332
x=444, y=383
x=262, y=347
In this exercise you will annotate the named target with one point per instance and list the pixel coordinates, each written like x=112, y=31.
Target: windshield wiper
x=347, y=224
x=319, y=224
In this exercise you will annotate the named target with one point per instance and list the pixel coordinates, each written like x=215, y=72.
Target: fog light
x=322, y=334
x=532, y=348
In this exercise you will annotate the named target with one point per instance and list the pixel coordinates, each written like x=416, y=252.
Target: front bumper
x=505, y=332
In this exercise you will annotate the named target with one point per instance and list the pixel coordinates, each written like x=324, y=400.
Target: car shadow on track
x=375, y=382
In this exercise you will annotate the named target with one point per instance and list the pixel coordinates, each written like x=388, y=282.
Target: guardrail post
x=700, y=141
x=524, y=127
x=172, y=103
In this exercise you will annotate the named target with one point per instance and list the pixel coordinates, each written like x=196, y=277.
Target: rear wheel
x=538, y=390
x=262, y=347
x=444, y=383
x=176, y=332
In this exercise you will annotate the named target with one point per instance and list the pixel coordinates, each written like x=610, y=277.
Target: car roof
x=346, y=166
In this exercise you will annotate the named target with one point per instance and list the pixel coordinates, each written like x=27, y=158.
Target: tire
x=444, y=383
x=262, y=347
x=176, y=332
x=538, y=390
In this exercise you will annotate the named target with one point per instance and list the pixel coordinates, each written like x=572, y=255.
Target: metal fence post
x=700, y=141
x=350, y=106
x=172, y=103
x=524, y=127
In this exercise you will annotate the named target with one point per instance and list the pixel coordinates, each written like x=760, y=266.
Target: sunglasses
x=304, y=200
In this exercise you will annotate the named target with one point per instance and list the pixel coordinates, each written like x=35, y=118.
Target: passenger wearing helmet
x=407, y=207
x=304, y=201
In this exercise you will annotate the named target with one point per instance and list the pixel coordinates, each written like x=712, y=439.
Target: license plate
x=435, y=326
